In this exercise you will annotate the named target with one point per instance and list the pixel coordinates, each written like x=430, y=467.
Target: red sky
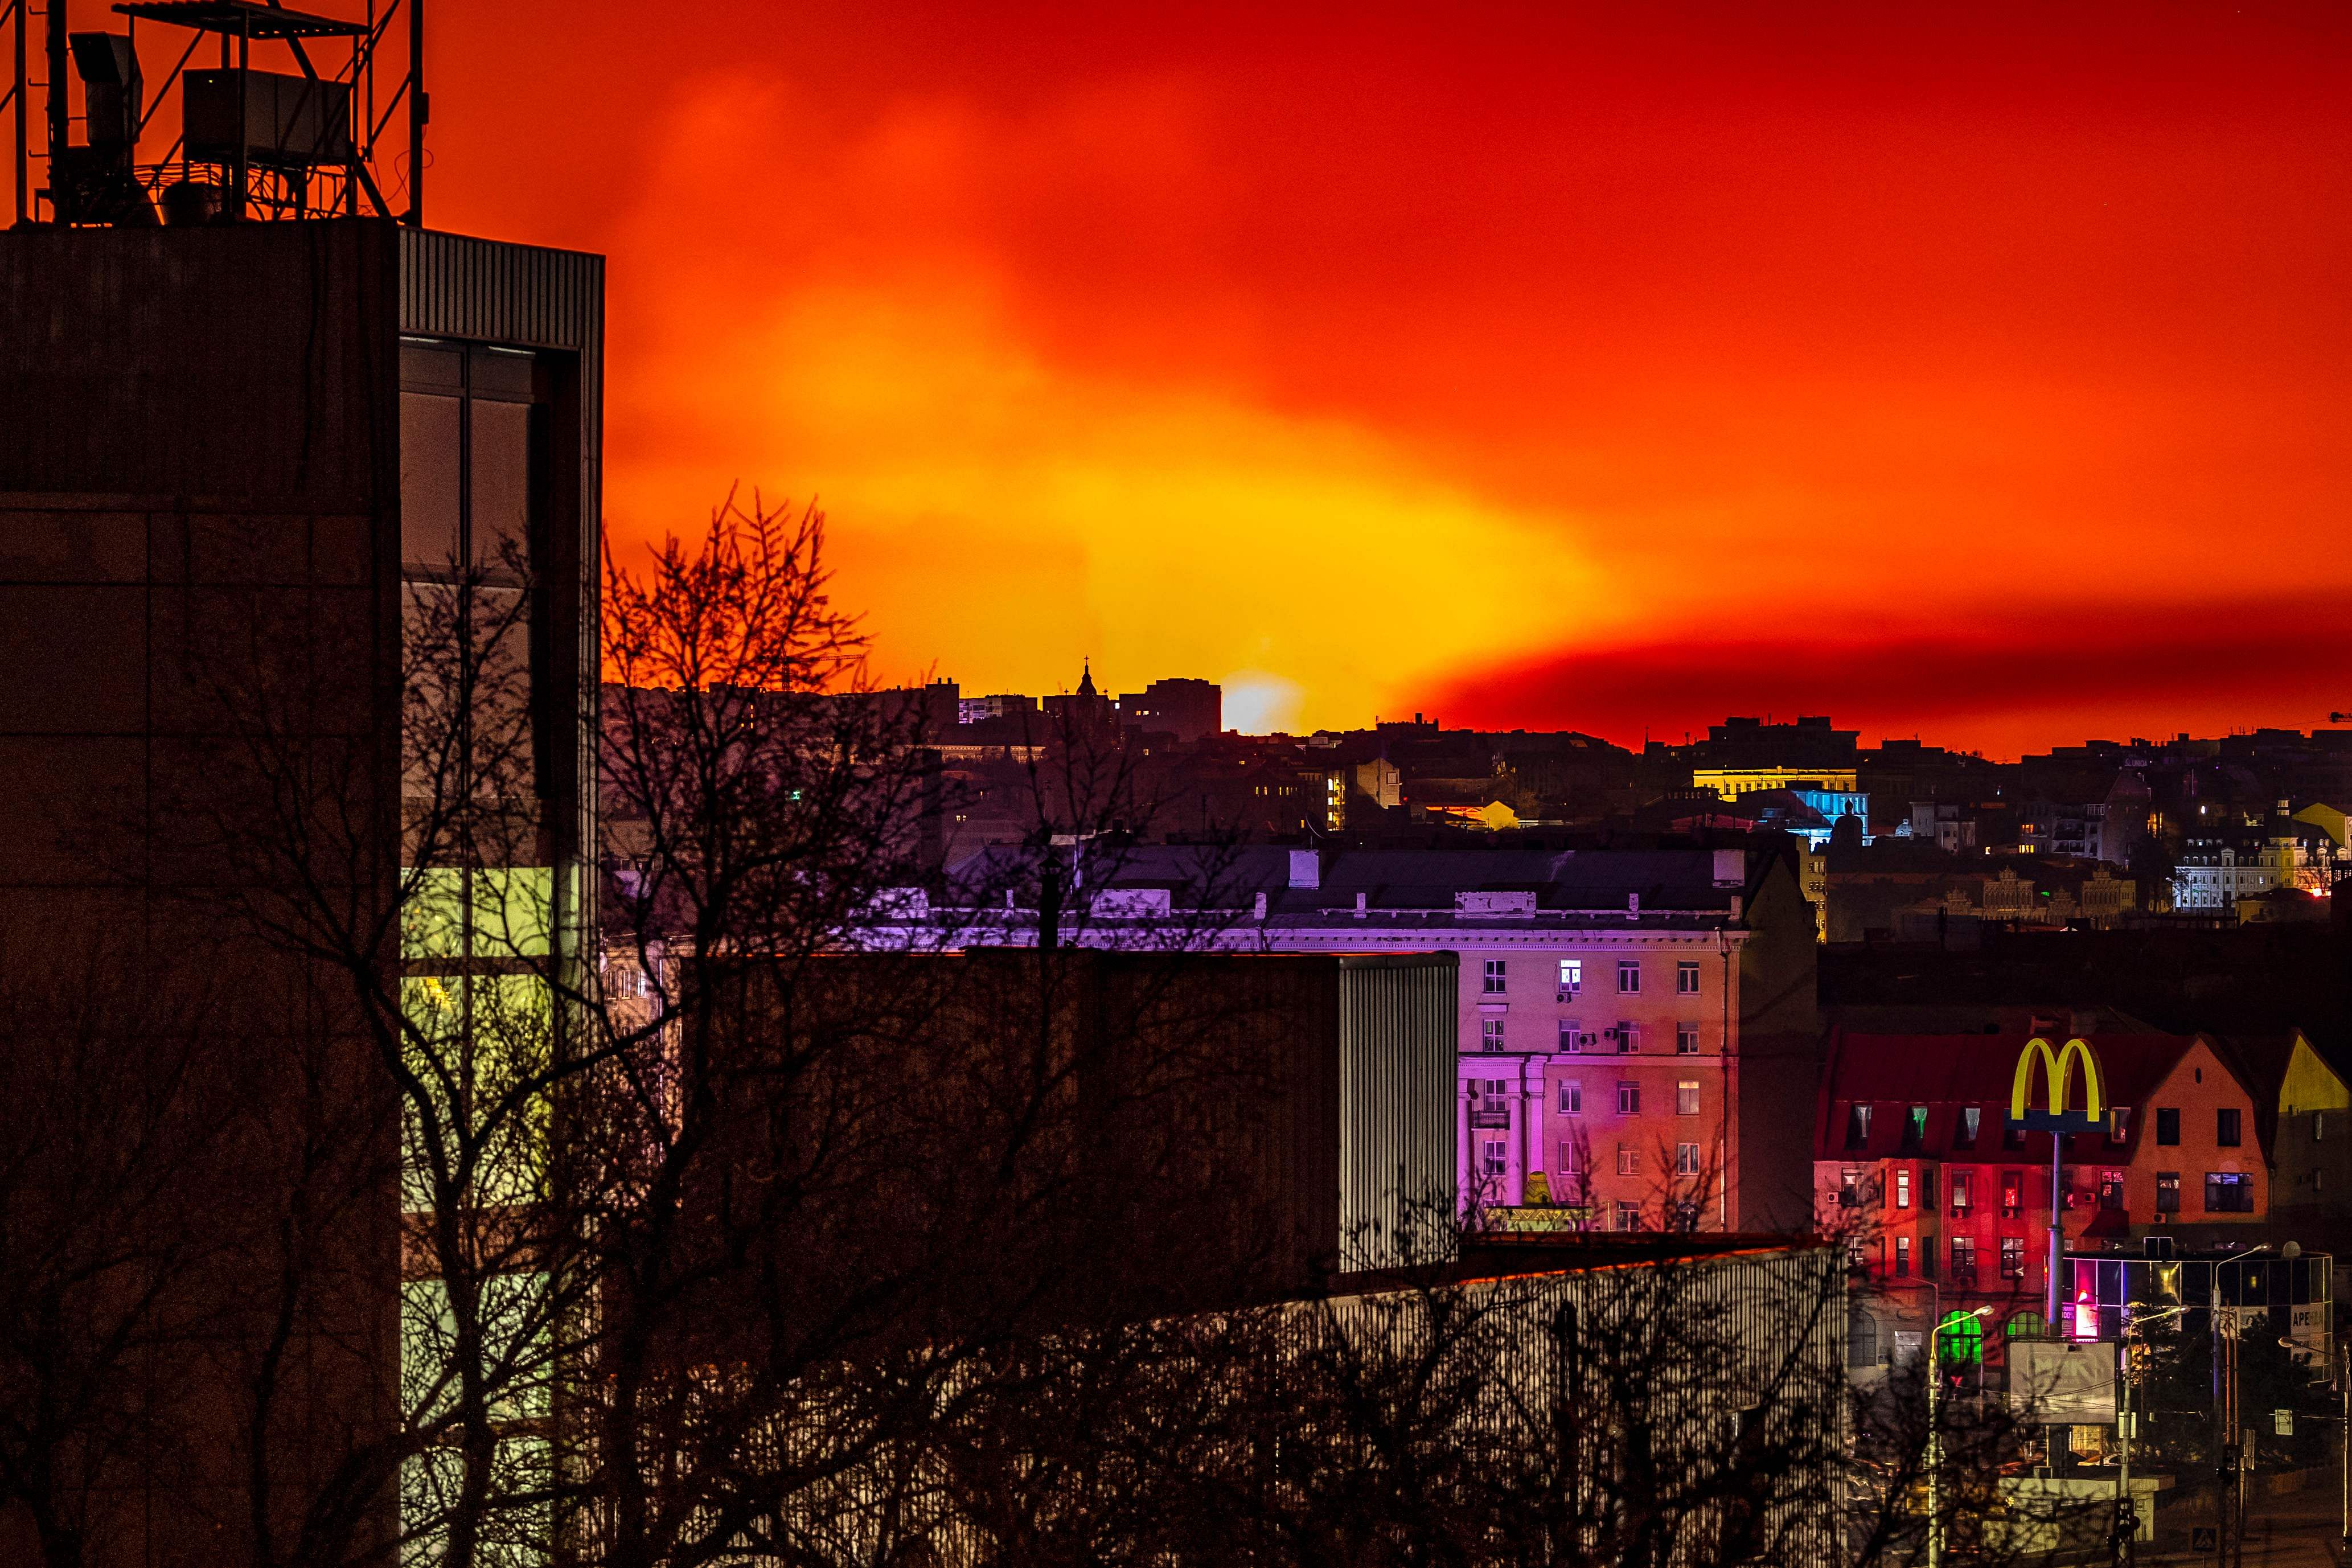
x=1976, y=371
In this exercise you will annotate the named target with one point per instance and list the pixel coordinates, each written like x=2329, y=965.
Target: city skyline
x=1487, y=721
x=954, y=784
x=1578, y=370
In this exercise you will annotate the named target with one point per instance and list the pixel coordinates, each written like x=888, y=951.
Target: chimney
x=1632, y=906
x=1361, y=902
x=1306, y=869
x=1257, y=907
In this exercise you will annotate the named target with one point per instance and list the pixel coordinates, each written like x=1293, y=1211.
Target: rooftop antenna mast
x=255, y=140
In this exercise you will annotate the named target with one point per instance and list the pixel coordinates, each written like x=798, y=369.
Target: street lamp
x=2225, y=1396
x=1935, y=1427
x=2126, y=1511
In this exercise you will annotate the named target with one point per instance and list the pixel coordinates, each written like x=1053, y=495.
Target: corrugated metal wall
x=1396, y=1108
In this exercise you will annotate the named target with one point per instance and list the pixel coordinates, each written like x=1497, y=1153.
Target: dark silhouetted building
x=237, y=461
x=1187, y=709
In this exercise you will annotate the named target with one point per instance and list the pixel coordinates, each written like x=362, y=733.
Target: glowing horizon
x=1976, y=376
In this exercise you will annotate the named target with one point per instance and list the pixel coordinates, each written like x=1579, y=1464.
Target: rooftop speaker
x=112, y=90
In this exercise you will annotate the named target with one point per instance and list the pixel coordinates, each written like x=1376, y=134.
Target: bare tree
x=722, y=1232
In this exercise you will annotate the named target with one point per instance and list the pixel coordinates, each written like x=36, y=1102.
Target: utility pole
x=1935, y=1417
x=2057, y=1226
x=2229, y=1501
x=2127, y=1528
x=2058, y=1439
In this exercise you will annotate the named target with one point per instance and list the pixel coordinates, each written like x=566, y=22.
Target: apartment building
x=1915, y=1164
x=1622, y=1015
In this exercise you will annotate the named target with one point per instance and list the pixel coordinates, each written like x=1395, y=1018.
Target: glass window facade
x=491, y=890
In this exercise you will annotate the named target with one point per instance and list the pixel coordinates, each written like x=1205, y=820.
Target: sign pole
x=2057, y=1225
x=2057, y=1070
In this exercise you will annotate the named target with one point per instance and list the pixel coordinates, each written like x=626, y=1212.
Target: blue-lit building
x=2286, y=1298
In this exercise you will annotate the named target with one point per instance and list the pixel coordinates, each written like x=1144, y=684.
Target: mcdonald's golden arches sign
x=2058, y=1072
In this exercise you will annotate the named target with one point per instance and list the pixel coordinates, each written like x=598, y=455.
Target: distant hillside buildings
x=1901, y=841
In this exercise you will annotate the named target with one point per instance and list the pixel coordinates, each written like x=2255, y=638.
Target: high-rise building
x=1185, y=708
x=246, y=468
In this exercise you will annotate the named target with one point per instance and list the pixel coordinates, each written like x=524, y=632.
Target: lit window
x=1571, y=976
x=1687, y=979
x=1902, y=1189
x=1490, y=1034
x=1963, y=1193
x=1629, y=977
x=2013, y=1258
x=2229, y=1192
x=1687, y=1097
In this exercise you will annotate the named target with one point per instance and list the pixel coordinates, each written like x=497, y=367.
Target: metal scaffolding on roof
x=268, y=132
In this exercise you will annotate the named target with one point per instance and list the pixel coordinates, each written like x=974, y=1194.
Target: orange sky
x=1981, y=373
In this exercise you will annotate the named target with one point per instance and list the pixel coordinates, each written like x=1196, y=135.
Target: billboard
x=2067, y=1382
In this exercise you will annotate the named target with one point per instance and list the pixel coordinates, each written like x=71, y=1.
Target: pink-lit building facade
x=1636, y=1029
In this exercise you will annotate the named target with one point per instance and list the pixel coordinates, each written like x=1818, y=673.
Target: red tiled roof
x=1945, y=1073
